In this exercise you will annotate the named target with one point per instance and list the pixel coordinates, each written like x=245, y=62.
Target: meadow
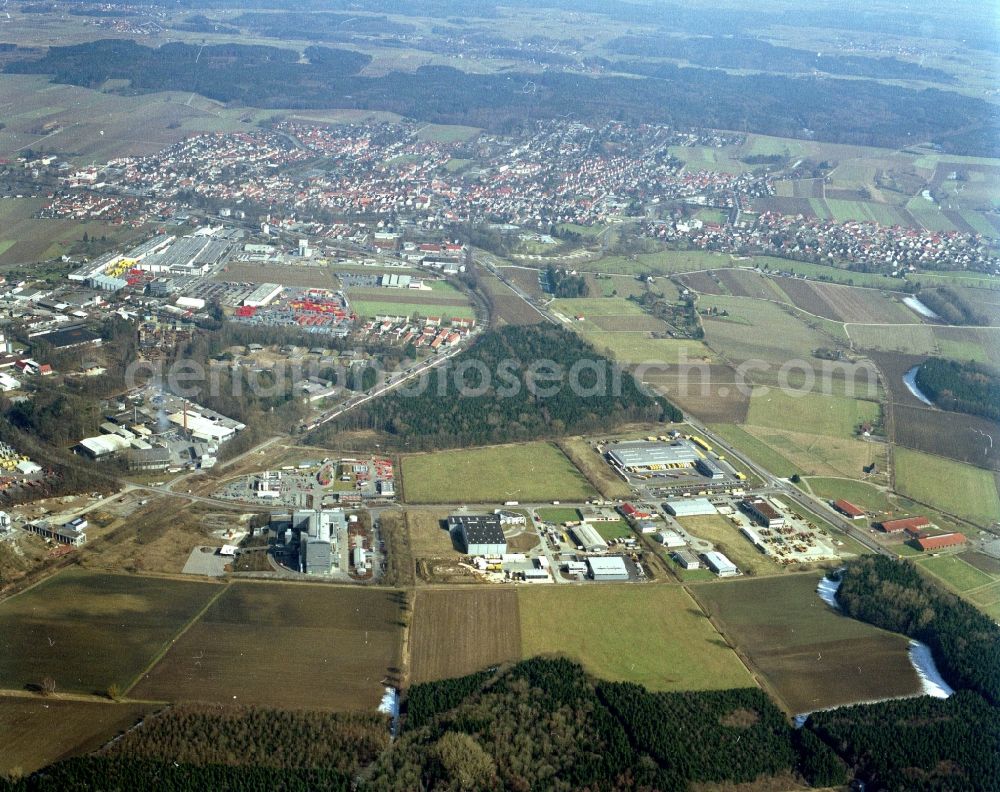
x=809, y=655
x=729, y=541
x=70, y=628
x=285, y=645
x=915, y=339
x=956, y=573
x=653, y=635
x=810, y=413
x=528, y=472
x=951, y=486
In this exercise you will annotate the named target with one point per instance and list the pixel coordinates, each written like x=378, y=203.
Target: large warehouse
x=690, y=507
x=588, y=538
x=481, y=533
x=607, y=568
x=644, y=456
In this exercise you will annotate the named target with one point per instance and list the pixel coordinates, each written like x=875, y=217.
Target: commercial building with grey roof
x=644, y=456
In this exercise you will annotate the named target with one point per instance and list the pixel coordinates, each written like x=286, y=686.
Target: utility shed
x=481, y=533
x=690, y=507
x=607, y=568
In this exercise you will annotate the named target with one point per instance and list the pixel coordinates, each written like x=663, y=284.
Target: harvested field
x=511, y=309
x=985, y=563
x=853, y=304
x=712, y=393
x=804, y=296
x=37, y=732
x=89, y=631
x=459, y=632
x=759, y=331
x=950, y=486
x=654, y=635
x=747, y=283
x=527, y=472
x=594, y=468
x=284, y=275
x=703, y=282
x=251, y=641
x=964, y=438
x=810, y=656
x=525, y=278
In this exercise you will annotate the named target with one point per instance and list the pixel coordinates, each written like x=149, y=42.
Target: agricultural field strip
x=177, y=636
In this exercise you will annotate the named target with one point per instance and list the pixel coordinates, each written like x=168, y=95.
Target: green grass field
x=866, y=496
x=559, y=514
x=447, y=133
x=953, y=487
x=956, y=573
x=89, y=631
x=914, y=339
x=812, y=413
x=728, y=540
x=653, y=635
x=619, y=529
x=597, y=306
x=638, y=347
x=531, y=472
x=758, y=451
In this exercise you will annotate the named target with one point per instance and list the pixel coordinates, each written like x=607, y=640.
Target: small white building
x=720, y=565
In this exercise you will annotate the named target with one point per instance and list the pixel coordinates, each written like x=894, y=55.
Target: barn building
x=848, y=509
x=941, y=542
x=903, y=524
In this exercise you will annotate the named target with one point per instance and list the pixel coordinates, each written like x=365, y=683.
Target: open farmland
x=810, y=656
x=70, y=628
x=527, y=472
x=37, y=732
x=950, y=486
x=915, y=339
x=713, y=393
x=653, y=635
x=757, y=450
x=860, y=493
x=459, y=632
x=958, y=436
x=956, y=573
x=812, y=413
x=749, y=283
x=758, y=330
x=846, y=303
x=820, y=455
x=285, y=645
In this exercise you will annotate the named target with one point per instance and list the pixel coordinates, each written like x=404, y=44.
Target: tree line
x=961, y=387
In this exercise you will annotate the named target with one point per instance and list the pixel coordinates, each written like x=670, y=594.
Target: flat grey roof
x=647, y=454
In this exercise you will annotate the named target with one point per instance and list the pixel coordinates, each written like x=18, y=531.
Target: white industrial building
x=200, y=427
x=588, y=538
x=645, y=456
x=690, y=507
x=103, y=446
x=262, y=295
x=719, y=564
x=754, y=538
x=670, y=539
x=604, y=568
x=687, y=559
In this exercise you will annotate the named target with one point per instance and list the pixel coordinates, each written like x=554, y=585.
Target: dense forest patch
x=961, y=387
